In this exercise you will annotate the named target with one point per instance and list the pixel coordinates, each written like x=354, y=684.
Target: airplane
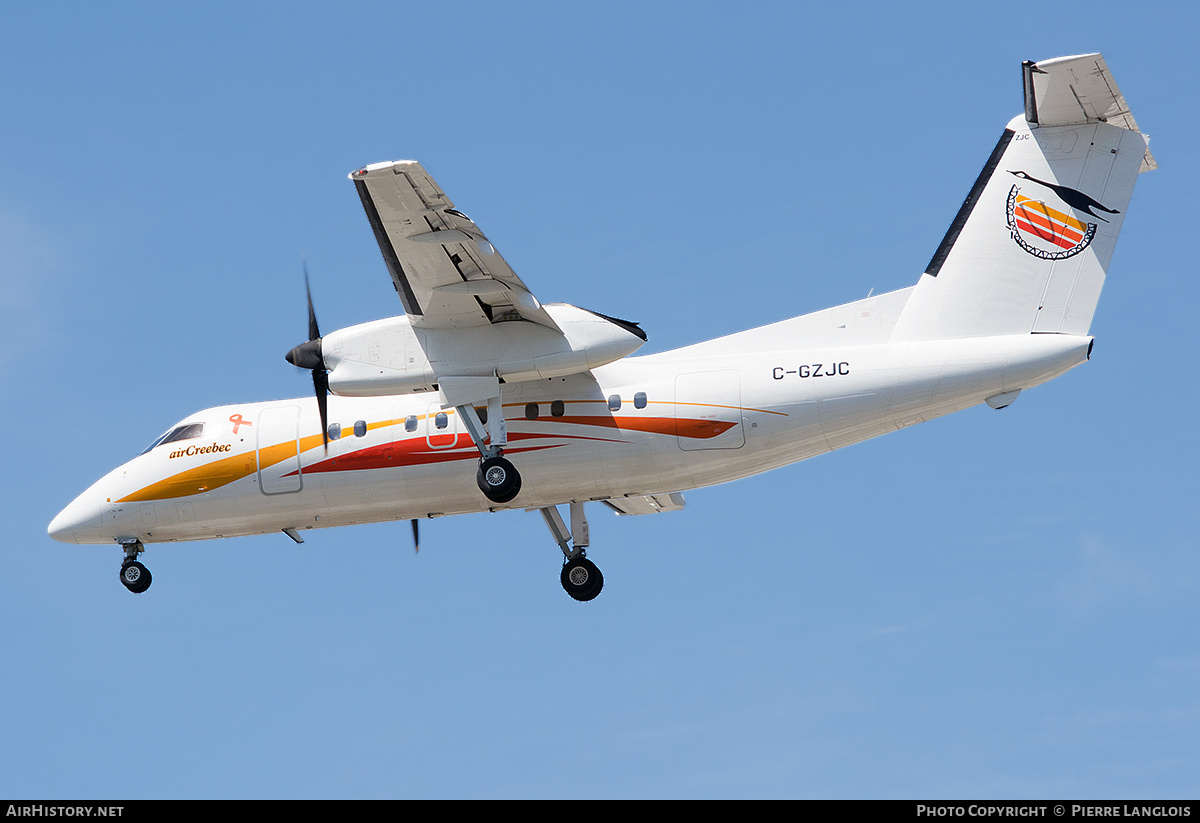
x=544, y=404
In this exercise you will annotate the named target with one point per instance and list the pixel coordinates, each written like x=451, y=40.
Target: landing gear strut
x=580, y=578
x=134, y=576
x=497, y=478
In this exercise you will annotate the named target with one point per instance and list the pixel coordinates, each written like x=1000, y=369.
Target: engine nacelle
x=391, y=357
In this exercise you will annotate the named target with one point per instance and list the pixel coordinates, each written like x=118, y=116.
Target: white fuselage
x=688, y=418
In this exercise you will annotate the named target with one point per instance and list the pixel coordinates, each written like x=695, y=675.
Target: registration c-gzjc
x=815, y=370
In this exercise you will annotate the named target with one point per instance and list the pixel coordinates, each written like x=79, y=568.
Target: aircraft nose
x=73, y=522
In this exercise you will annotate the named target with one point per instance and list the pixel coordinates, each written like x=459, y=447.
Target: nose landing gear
x=134, y=576
x=580, y=578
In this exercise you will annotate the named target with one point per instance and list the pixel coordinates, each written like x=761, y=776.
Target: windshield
x=187, y=431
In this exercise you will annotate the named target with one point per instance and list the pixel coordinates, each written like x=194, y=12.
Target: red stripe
x=1056, y=227
x=1061, y=242
x=415, y=452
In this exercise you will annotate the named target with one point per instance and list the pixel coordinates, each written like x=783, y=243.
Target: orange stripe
x=683, y=427
x=1061, y=242
x=219, y=473
x=1055, y=229
x=603, y=402
x=226, y=470
x=1057, y=215
x=199, y=479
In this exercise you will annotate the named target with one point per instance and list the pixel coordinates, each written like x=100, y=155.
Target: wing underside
x=444, y=269
x=646, y=503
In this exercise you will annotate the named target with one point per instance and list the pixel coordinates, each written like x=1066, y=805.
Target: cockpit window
x=188, y=431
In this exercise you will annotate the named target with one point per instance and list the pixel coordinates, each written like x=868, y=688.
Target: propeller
x=416, y=536
x=309, y=356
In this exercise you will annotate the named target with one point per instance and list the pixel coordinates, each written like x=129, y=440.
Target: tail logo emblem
x=1044, y=231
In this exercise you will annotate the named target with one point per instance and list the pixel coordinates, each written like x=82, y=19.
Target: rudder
x=1030, y=246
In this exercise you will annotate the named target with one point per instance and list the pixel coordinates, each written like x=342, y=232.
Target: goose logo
x=1044, y=231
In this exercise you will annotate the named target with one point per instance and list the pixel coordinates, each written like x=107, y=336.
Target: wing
x=446, y=272
x=646, y=503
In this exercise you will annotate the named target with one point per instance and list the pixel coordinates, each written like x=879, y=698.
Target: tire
x=498, y=479
x=135, y=577
x=581, y=579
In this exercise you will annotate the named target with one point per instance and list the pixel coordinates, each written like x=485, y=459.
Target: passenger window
x=410, y=423
x=614, y=402
x=335, y=431
x=557, y=408
x=440, y=420
x=639, y=400
x=531, y=411
x=360, y=428
x=482, y=412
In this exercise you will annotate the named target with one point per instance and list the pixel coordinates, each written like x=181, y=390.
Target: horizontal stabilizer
x=1072, y=91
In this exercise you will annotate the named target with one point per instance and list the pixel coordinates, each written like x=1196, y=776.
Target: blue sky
x=995, y=604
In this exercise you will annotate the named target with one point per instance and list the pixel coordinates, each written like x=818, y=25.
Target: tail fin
x=1031, y=244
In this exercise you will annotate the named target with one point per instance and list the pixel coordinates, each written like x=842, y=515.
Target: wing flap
x=646, y=503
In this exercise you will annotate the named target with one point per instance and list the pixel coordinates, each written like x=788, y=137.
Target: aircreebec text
x=210, y=449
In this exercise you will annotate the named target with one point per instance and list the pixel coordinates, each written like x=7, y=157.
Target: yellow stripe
x=226, y=470
x=1042, y=208
x=219, y=473
x=199, y=479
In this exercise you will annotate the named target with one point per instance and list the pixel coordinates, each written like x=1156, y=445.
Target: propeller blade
x=321, y=386
x=314, y=331
x=416, y=536
x=310, y=356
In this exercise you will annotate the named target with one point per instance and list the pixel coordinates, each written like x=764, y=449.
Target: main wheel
x=135, y=577
x=498, y=479
x=581, y=579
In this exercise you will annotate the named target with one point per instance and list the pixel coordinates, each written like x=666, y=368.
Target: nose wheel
x=581, y=579
x=134, y=576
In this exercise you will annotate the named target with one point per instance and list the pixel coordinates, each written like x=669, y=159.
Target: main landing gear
x=500, y=481
x=580, y=578
x=496, y=477
x=134, y=576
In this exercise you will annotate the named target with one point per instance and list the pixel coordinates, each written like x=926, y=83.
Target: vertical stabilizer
x=1029, y=248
